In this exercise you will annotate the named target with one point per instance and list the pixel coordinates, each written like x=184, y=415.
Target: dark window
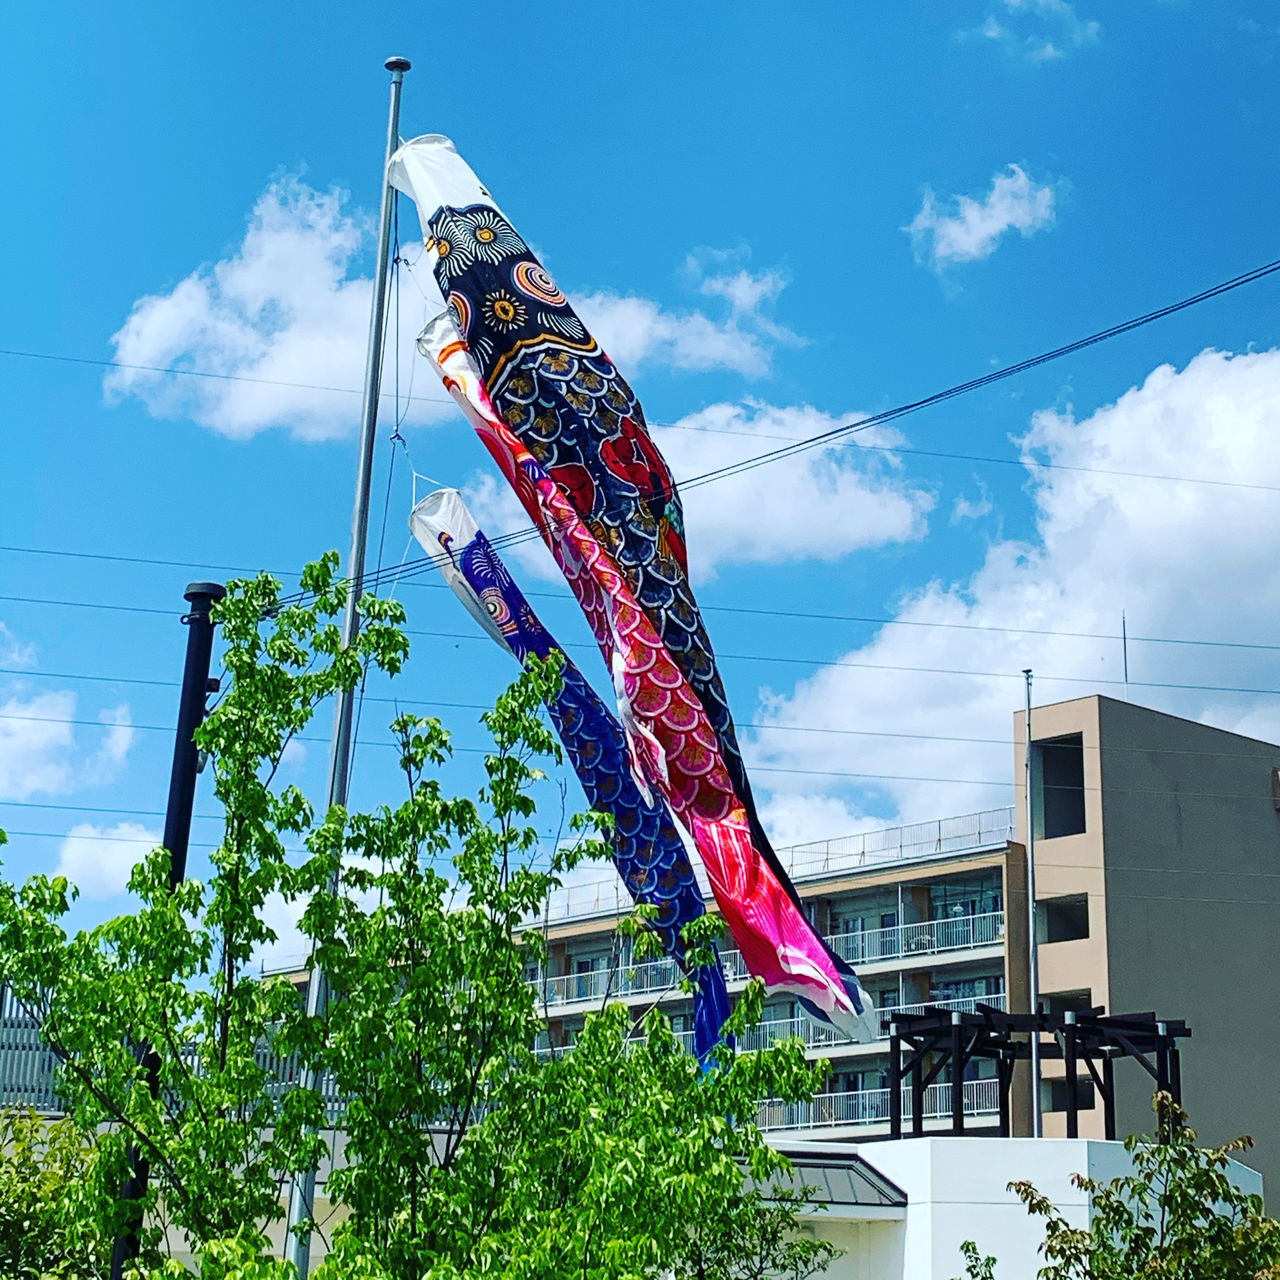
x=1058, y=773
x=1062, y=919
x=1059, y=1002
x=1057, y=1099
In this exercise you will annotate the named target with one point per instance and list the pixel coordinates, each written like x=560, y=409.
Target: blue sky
x=775, y=222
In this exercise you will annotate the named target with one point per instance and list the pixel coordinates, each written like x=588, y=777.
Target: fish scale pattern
x=670, y=741
x=647, y=850
x=566, y=402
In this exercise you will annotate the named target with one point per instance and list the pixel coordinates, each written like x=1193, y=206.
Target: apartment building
x=1157, y=854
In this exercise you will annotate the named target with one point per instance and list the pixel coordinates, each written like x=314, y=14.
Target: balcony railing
x=929, y=937
x=816, y=1036
x=26, y=1063
x=987, y=829
x=871, y=1106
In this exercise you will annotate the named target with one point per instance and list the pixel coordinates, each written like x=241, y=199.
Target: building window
x=1057, y=774
x=957, y=898
x=1062, y=919
x=1057, y=1003
x=1057, y=1091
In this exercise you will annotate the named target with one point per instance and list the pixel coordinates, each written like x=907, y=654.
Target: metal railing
x=816, y=1036
x=871, y=1106
x=928, y=937
x=991, y=827
x=26, y=1063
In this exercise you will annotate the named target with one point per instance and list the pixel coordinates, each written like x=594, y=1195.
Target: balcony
x=816, y=1036
x=969, y=832
x=813, y=1034
x=929, y=937
x=871, y=1106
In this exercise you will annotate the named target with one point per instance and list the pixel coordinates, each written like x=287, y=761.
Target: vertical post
x=1004, y=1073
x=1109, y=1097
x=302, y=1191
x=1069, y=1070
x=895, y=1081
x=177, y=838
x=957, y=1074
x=1033, y=957
x=917, y=1094
x=1124, y=641
x=1164, y=1126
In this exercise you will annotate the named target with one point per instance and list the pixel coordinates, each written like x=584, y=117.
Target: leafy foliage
x=42, y=1165
x=1177, y=1216
x=175, y=975
x=465, y=1151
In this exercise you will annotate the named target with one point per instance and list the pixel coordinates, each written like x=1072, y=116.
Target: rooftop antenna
x=1033, y=956
x=302, y=1191
x=1124, y=641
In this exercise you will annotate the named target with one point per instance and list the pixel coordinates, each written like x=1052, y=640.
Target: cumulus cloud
x=971, y=508
x=14, y=652
x=99, y=860
x=40, y=753
x=819, y=505
x=637, y=331
x=1101, y=543
x=274, y=334
x=1038, y=30
x=966, y=229
x=288, y=310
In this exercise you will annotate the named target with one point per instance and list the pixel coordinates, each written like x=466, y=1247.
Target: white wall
x=957, y=1190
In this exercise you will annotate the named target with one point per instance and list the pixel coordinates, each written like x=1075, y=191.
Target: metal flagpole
x=1033, y=956
x=302, y=1191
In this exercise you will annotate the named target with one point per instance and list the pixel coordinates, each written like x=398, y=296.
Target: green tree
x=465, y=1151
x=43, y=1165
x=176, y=974
x=1177, y=1216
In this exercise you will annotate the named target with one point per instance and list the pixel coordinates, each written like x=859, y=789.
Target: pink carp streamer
x=672, y=744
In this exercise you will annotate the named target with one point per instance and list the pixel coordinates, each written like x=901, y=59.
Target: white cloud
x=13, y=652
x=115, y=746
x=1055, y=30
x=637, y=331
x=1183, y=560
x=36, y=745
x=288, y=307
x=971, y=229
x=99, y=860
x=971, y=509
x=819, y=505
x=286, y=315
x=40, y=753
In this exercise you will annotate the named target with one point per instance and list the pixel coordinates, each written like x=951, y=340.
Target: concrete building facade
x=1157, y=852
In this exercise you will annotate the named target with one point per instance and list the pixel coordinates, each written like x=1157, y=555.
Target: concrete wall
x=1193, y=914
x=957, y=1190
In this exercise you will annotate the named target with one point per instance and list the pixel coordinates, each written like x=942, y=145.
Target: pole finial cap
x=204, y=591
x=397, y=64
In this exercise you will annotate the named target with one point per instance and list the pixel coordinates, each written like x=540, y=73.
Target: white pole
x=1033, y=956
x=302, y=1190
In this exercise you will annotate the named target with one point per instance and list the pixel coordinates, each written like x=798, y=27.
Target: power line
x=750, y=657
x=1111, y=749
x=203, y=373
x=860, y=619
x=821, y=438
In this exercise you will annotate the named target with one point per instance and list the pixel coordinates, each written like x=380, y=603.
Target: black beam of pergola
x=937, y=1038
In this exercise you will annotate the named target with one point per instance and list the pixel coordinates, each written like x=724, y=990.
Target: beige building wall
x=1193, y=913
x=1180, y=863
